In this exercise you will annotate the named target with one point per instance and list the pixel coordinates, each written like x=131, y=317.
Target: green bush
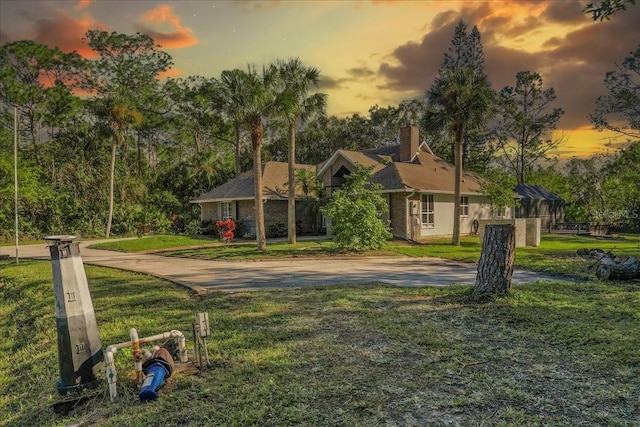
x=194, y=227
x=278, y=229
x=208, y=227
x=355, y=213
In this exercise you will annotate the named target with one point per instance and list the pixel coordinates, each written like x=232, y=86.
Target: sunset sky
x=369, y=52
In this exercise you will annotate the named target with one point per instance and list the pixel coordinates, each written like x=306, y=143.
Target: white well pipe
x=137, y=355
x=112, y=374
x=135, y=342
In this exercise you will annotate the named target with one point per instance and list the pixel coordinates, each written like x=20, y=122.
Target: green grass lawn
x=157, y=243
x=549, y=354
x=556, y=254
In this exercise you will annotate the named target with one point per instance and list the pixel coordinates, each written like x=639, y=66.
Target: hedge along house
x=417, y=185
x=235, y=199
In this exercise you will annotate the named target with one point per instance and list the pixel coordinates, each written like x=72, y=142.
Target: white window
x=427, y=211
x=226, y=210
x=464, y=206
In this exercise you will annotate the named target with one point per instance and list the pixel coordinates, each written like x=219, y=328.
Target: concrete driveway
x=230, y=276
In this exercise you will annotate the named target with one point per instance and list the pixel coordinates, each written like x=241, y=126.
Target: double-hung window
x=226, y=210
x=464, y=206
x=427, y=211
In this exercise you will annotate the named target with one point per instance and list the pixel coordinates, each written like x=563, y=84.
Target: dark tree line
x=107, y=146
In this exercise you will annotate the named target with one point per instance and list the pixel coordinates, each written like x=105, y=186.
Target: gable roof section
x=427, y=173
x=534, y=192
x=274, y=185
x=354, y=157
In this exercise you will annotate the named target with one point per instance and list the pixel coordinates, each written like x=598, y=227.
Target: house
x=235, y=199
x=417, y=185
x=537, y=202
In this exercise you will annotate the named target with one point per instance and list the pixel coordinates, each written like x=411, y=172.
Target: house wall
x=208, y=211
x=212, y=211
x=479, y=208
x=399, y=216
x=245, y=215
x=442, y=217
x=274, y=211
x=398, y=207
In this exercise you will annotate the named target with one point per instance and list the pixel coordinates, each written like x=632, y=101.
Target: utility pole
x=15, y=174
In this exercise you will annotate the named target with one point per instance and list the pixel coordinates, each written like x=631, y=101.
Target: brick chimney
x=409, y=142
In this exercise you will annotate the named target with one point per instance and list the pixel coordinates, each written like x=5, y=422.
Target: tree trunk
x=291, y=205
x=35, y=136
x=238, y=150
x=628, y=270
x=256, y=142
x=196, y=140
x=139, y=159
x=496, y=260
x=111, y=182
x=458, y=180
x=611, y=268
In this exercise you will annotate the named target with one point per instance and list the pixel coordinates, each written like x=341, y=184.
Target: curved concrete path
x=230, y=276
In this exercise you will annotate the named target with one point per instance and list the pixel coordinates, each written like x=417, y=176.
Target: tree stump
x=495, y=267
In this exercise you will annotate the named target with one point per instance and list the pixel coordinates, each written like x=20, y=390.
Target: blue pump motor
x=156, y=369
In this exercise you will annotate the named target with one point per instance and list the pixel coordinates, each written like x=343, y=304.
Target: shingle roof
x=274, y=184
x=426, y=173
x=535, y=192
x=364, y=158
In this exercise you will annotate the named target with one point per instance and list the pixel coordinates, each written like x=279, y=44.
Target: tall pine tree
x=459, y=103
x=465, y=51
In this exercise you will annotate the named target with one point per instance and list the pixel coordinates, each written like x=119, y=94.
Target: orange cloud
x=178, y=35
x=571, y=53
x=83, y=4
x=171, y=72
x=66, y=33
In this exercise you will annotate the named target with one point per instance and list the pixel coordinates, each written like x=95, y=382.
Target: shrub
x=225, y=229
x=241, y=228
x=208, y=227
x=177, y=224
x=193, y=228
x=355, y=212
x=278, y=229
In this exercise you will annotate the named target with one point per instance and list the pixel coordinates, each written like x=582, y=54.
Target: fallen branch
x=612, y=267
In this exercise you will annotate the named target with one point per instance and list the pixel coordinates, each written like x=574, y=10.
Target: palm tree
x=259, y=102
x=295, y=81
x=230, y=99
x=120, y=117
x=307, y=181
x=459, y=100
